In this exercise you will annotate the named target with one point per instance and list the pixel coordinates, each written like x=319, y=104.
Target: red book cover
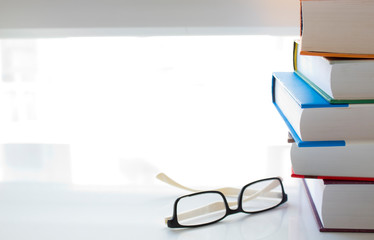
x=360, y=179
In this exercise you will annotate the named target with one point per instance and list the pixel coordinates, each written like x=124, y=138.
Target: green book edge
x=320, y=91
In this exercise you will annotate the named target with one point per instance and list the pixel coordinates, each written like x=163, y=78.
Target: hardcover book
x=337, y=28
x=341, y=206
x=338, y=80
x=354, y=161
x=313, y=121
x=321, y=162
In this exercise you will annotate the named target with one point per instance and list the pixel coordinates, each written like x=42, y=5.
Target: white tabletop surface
x=35, y=211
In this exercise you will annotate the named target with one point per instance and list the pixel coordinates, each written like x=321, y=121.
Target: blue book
x=313, y=121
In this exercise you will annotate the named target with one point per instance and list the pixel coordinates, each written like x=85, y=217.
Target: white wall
x=154, y=17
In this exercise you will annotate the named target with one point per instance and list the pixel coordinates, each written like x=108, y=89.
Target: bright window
x=128, y=107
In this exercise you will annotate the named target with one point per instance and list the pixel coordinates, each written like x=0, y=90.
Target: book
x=341, y=206
x=338, y=80
x=312, y=120
x=337, y=28
x=354, y=161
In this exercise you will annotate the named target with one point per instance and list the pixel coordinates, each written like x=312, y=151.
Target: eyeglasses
x=206, y=207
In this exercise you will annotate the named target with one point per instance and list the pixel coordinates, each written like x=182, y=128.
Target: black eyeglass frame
x=173, y=222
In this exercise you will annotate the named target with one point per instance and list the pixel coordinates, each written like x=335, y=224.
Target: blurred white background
x=115, y=111
x=98, y=96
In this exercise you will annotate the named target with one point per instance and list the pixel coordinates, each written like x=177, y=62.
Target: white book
x=354, y=160
x=345, y=206
x=338, y=80
x=311, y=118
x=337, y=27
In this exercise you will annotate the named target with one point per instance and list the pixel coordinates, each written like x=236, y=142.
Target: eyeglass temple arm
x=217, y=206
x=227, y=191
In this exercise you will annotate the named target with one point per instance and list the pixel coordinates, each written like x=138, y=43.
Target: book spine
x=313, y=206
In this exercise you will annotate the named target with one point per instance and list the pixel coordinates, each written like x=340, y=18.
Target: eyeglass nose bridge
x=231, y=211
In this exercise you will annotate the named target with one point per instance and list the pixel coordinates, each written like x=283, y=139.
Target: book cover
x=338, y=55
x=331, y=179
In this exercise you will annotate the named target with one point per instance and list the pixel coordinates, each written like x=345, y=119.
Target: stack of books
x=328, y=105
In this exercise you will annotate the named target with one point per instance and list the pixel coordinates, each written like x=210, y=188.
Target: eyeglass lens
x=262, y=195
x=200, y=209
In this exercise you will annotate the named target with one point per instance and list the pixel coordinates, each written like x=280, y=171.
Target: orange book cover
x=340, y=55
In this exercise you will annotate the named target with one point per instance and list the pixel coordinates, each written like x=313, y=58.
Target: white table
x=35, y=211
